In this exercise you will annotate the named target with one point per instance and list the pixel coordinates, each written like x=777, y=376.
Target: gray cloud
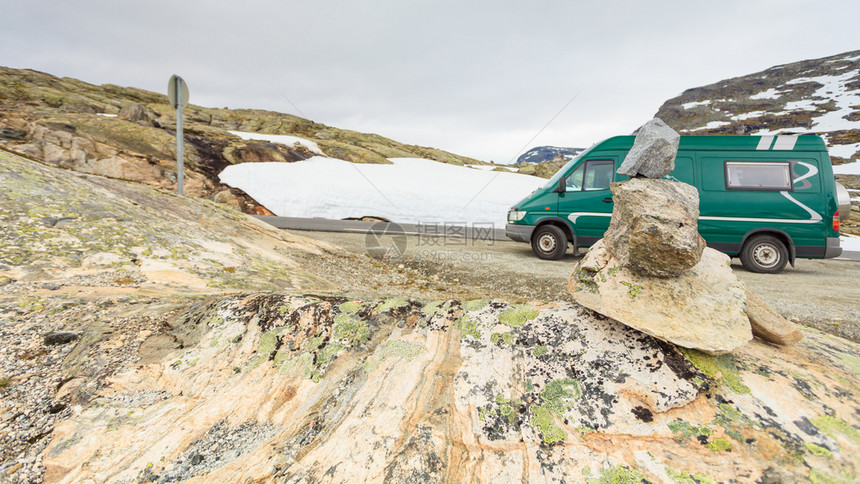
x=477, y=78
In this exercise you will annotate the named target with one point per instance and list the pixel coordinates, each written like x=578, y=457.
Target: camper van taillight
x=836, y=221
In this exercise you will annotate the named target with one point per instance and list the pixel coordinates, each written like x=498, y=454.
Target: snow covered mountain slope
x=819, y=96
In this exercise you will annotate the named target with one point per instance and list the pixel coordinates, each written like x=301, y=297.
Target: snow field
x=407, y=191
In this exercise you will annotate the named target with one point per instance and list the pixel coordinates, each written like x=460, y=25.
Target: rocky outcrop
x=128, y=133
x=59, y=224
x=702, y=308
x=292, y=389
x=654, y=227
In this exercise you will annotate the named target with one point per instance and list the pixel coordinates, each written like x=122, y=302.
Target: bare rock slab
x=654, y=227
x=768, y=325
x=654, y=150
x=703, y=308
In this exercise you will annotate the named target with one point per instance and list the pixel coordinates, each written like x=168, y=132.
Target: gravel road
x=823, y=294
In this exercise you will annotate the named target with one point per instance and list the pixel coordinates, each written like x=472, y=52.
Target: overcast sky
x=482, y=79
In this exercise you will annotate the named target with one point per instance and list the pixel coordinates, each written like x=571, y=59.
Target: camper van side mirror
x=560, y=188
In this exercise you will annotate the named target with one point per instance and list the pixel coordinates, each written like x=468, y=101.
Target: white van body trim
x=575, y=215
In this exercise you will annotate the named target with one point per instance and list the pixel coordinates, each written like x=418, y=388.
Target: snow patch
x=695, y=103
x=407, y=191
x=107, y=115
x=769, y=94
x=834, y=88
x=849, y=242
x=843, y=151
x=802, y=105
x=715, y=124
x=847, y=168
x=280, y=139
x=751, y=114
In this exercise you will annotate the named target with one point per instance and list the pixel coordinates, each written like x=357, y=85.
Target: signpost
x=177, y=93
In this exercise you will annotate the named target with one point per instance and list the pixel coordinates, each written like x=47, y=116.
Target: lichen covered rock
x=703, y=308
x=654, y=227
x=296, y=389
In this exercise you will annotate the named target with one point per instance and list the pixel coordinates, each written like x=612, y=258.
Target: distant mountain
x=819, y=96
x=540, y=154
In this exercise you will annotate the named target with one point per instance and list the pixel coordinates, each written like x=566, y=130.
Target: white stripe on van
x=785, y=142
x=815, y=216
x=765, y=142
x=765, y=220
x=575, y=215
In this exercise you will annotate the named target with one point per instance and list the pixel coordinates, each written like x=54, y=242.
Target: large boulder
x=703, y=308
x=654, y=227
x=653, y=152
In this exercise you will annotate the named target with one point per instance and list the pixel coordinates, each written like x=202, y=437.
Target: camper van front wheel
x=764, y=253
x=549, y=242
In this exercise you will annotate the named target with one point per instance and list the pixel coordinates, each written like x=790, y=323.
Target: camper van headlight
x=515, y=215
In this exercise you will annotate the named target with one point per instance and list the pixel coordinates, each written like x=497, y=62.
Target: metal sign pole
x=179, y=138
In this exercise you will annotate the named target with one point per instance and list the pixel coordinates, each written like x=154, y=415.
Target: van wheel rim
x=766, y=255
x=547, y=243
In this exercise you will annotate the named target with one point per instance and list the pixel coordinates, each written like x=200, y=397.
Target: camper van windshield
x=564, y=169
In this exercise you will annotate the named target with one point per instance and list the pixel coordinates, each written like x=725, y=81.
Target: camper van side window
x=750, y=175
x=598, y=174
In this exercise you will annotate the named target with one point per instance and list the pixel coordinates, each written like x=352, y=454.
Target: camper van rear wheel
x=764, y=253
x=549, y=242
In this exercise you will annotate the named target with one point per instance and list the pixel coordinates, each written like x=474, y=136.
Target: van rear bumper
x=520, y=233
x=833, y=249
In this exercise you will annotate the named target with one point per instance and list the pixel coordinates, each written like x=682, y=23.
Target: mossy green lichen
x=351, y=329
x=681, y=477
x=467, y=327
x=474, y=304
x=518, y=315
x=719, y=444
x=540, y=350
x=633, y=290
x=395, y=349
x=304, y=362
x=267, y=344
x=585, y=280
x=350, y=307
x=507, y=338
x=685, y=431
x=542, y=419
x=818, y=477
x=392, y=304
x=718, y=367
x=556, y=398
x=432, y=308
x=618, y=475
x=818, y=450
x=835, y=426
x=324, y=357
x=558, y=395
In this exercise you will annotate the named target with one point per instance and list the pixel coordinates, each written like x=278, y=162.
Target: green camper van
x=765, y=199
